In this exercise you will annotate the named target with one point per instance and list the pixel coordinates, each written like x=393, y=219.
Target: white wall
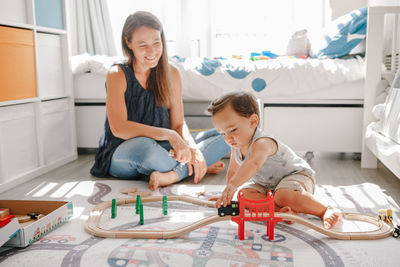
x=342, y=7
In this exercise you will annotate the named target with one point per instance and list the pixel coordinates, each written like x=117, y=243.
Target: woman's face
x=146, y=46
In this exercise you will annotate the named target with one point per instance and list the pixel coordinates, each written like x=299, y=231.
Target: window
x=260, y=25
x=224, y=28
x=167, y=11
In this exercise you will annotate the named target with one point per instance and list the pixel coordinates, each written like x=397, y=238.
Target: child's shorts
x=300, y=181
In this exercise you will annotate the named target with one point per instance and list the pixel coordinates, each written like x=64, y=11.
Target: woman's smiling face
x=147, y=46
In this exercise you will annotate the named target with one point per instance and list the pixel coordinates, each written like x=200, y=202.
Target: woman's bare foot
x=331, y=217
x=158, y=179
x=216, y=168
x=287, y=209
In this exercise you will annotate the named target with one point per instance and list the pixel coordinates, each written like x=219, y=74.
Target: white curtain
x=94, y=28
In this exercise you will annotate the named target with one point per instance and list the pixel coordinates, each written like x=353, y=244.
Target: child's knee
x=284, y=197
x=251, y=193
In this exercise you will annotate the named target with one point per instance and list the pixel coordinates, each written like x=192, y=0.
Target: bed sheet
x=90, y=87
x=206, y=79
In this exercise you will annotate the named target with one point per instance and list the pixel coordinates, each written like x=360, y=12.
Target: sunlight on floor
x=63, y=190
x=84, y=188
x=78, y=212
x=43, y=191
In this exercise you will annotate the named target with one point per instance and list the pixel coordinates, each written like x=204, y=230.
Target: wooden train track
x=383, y=229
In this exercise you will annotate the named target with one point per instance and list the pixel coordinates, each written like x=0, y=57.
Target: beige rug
x=212, y=245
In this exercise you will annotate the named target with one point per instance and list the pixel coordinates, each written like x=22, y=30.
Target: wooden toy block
x=113, y=208
x=4, y=212
x=127, y=190
x=165, y=205
x=141, y=193
x=23, y=218
x=141, y=213
x=5, y=220
x=138, y=201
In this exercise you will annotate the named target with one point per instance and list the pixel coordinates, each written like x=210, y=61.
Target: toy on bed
x=258, y=210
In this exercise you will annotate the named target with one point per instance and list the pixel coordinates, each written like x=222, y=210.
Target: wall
x=342, y=7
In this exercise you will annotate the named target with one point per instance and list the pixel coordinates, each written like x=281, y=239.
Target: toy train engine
x=232, y=209
x=396, y=231
x=385, y=215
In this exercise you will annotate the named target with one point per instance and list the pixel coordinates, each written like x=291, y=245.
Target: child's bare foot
x=216, y=168
x=331, y=217
x=158, y=179
x=287, y=209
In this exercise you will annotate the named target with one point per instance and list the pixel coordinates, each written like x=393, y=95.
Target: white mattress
x=90, y=87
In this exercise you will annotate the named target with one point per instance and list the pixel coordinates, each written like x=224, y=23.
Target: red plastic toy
x=258, y=210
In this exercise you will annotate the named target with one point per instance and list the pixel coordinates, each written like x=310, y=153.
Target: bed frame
x=375, y=145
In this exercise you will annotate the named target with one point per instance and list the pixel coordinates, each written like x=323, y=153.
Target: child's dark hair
x=243, y=103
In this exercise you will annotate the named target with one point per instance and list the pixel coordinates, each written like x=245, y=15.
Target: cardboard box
x=56, y=213
x=8, y=231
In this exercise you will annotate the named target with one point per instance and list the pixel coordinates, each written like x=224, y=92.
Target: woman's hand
x=181, y=150
x=214, y=198
x=227, y=196
x=197, y=165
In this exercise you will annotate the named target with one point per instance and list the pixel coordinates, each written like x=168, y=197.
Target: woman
x=144, y=123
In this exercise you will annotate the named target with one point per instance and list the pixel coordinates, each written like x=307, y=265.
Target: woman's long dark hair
x=159, y=80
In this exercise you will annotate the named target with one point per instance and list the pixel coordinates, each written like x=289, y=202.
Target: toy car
x=396, y=231
x=232, y=209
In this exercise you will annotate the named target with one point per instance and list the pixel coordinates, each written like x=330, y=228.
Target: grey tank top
x=283, y=163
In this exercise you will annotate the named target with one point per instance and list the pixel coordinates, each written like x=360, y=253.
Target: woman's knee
x=135, y=147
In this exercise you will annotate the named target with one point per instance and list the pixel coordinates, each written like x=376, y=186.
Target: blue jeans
x=142, y=155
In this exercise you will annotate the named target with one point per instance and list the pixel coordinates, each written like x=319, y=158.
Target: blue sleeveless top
x=141, y=107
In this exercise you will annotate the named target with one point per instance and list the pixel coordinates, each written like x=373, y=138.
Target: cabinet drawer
x=50, y=65
x=17, y=64
x=331, y=129
x=13, y=11
x=19, y=147
x=49, y=13
x=57, y=133
x=89, y=124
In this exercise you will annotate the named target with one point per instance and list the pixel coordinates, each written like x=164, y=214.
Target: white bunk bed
x=381, y=139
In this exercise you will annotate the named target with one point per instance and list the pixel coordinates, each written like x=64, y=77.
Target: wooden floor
x=331, y=168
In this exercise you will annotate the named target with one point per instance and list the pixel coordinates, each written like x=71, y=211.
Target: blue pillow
x=341, y=36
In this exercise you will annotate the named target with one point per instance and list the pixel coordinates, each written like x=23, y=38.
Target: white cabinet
x=19, y=145
x=37, y=124
x=49, y=65
x=316, y=127
x=90, y=119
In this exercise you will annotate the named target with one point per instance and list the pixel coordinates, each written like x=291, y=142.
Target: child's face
x=146, y=46
x=236, y=130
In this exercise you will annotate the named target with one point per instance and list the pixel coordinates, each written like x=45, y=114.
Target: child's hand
x=227, y=196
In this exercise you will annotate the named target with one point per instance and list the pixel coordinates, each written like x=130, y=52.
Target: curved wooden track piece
x=91, y=226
